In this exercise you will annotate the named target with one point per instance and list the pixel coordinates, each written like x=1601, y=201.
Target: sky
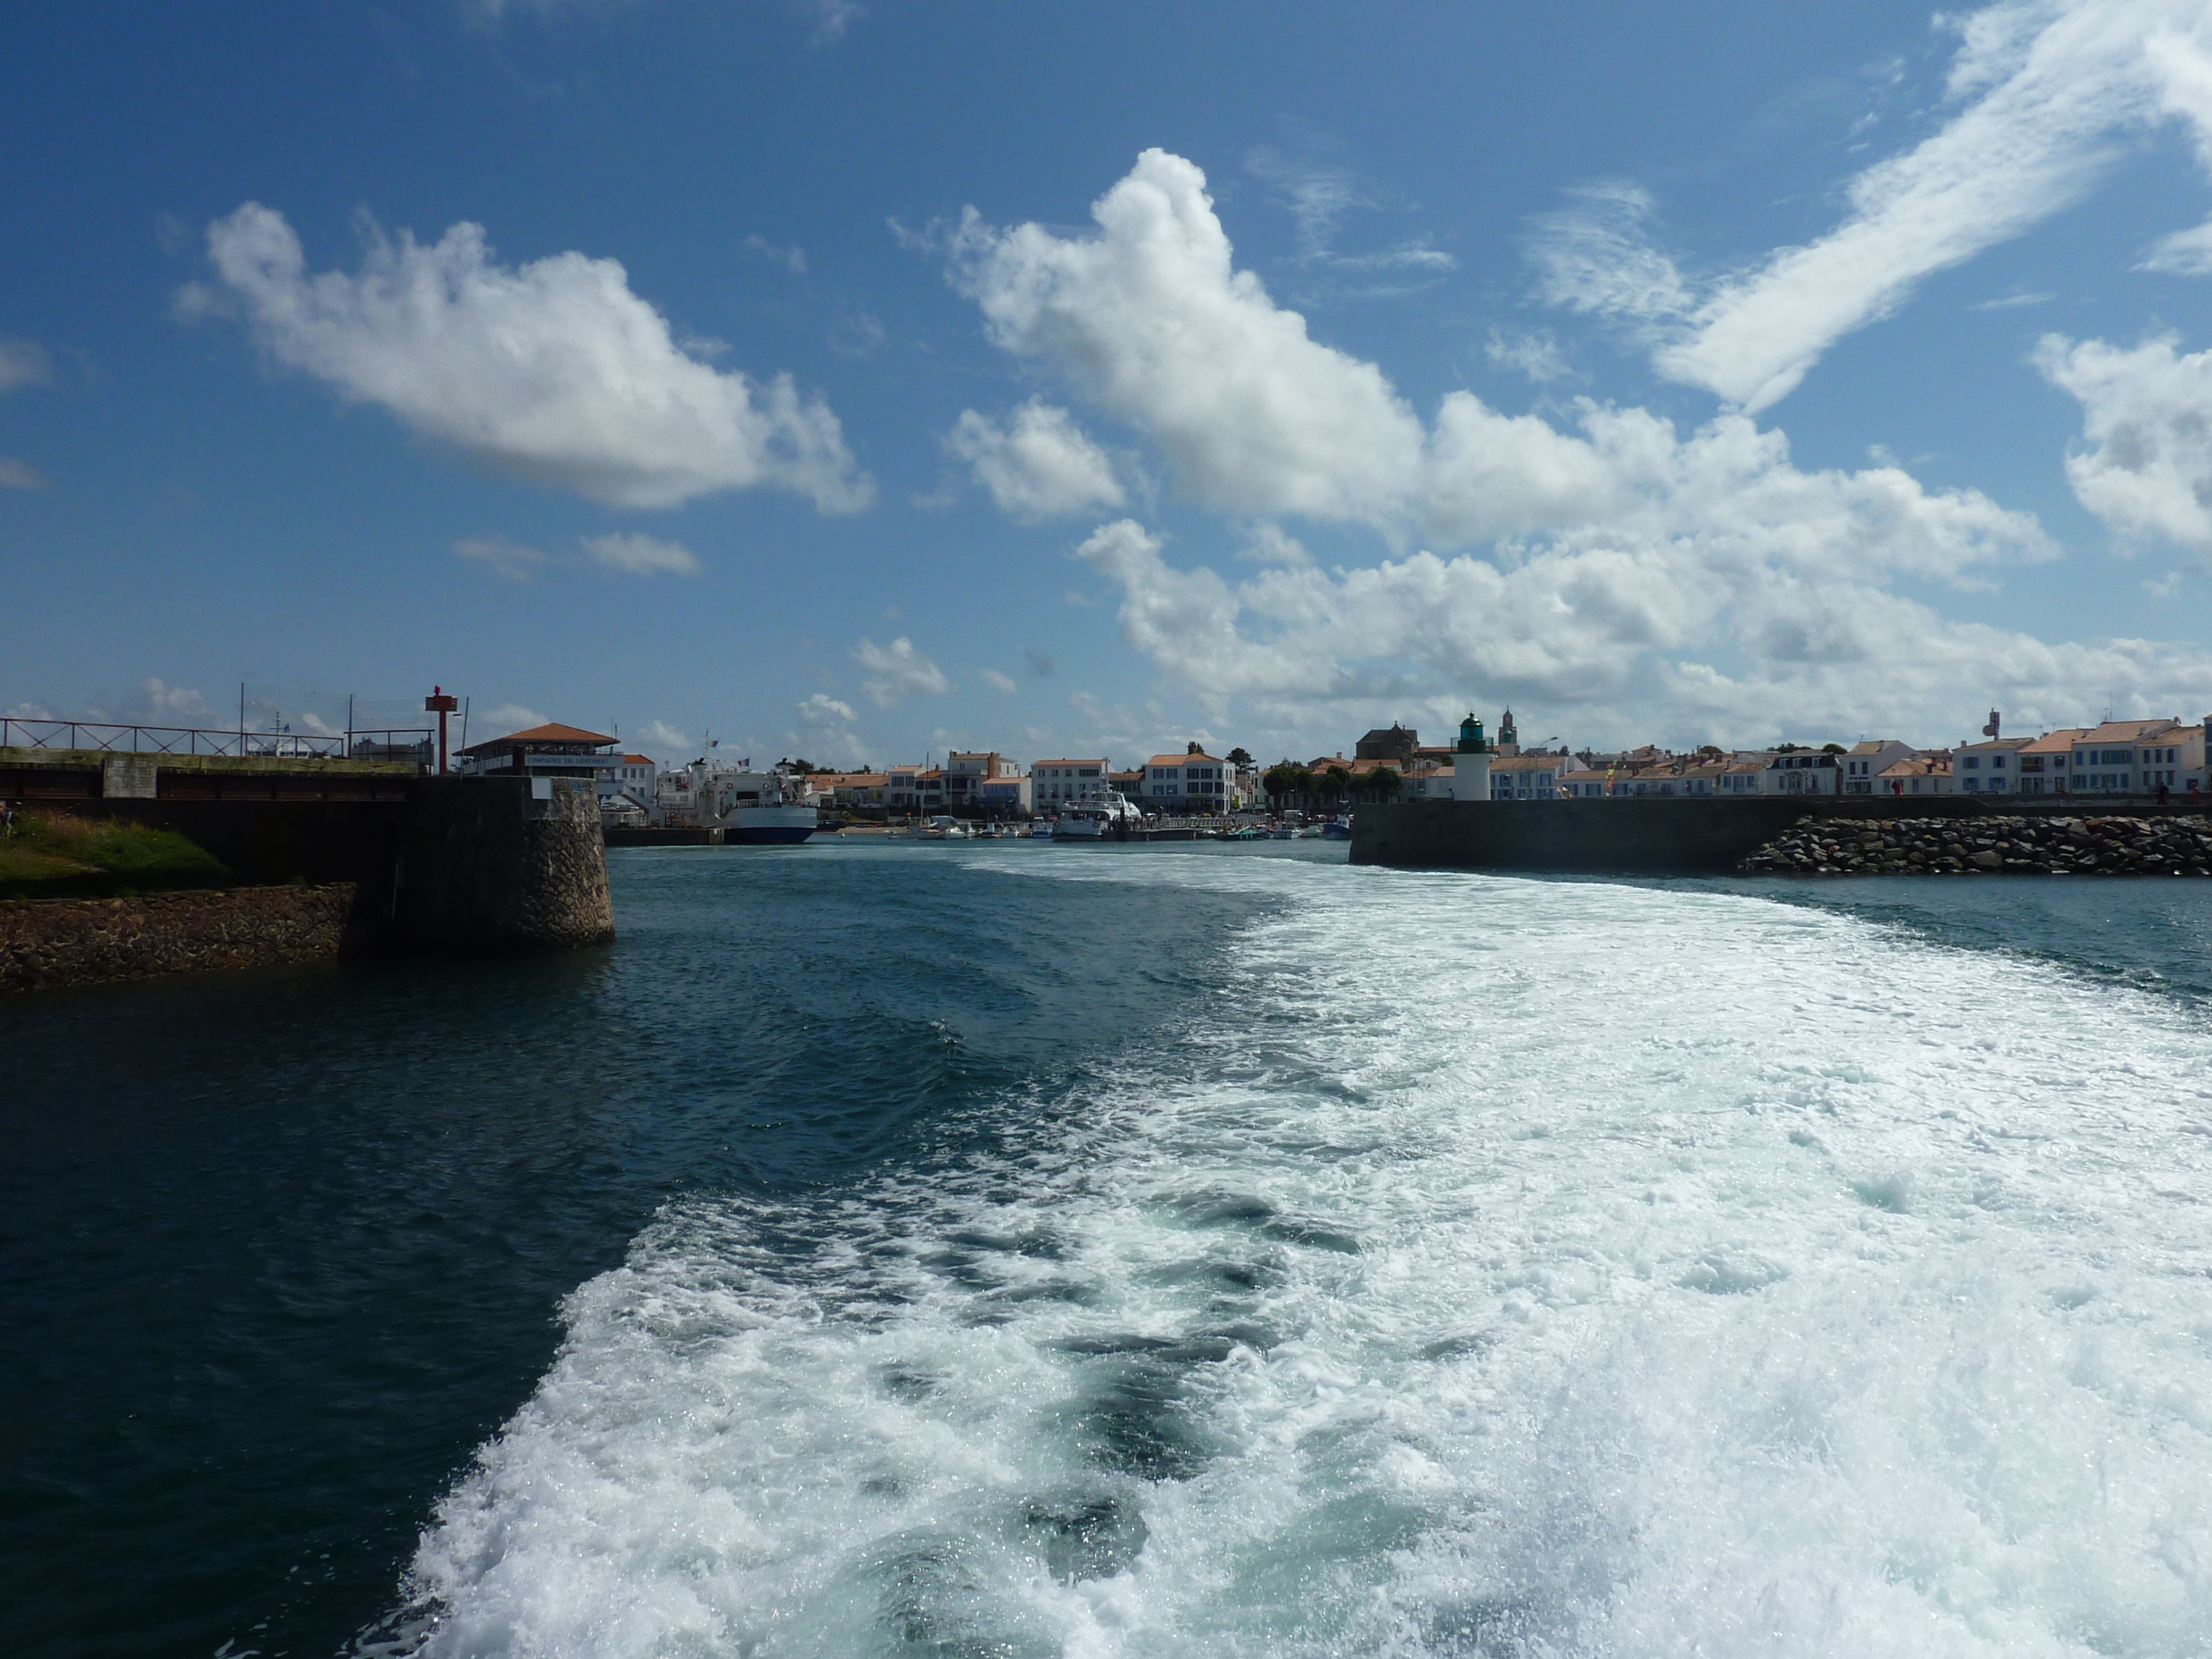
x=860, y=381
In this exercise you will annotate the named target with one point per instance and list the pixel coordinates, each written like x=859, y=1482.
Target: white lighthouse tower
x=1471, y=762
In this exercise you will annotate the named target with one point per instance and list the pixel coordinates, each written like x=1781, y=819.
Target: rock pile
x=1996, y=846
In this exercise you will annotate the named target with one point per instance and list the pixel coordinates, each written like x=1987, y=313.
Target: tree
x=1238, y=757
x=1383, y=783
x=1334, y=784
x=1193, y=748
x=1832, y=749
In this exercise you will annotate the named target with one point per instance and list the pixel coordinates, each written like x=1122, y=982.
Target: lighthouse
x=1471, y=762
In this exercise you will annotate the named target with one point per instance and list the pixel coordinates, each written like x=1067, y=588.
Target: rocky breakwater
x=47, y=944
x=1990, y=846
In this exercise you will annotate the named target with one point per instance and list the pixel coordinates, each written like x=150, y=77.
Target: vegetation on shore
x=55, y=855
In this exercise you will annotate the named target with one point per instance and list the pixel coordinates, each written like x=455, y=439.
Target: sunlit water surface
x=1013, y=1251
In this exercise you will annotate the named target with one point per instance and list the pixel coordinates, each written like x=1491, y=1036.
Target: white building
x=2046, y=765
x=1052, y=782
x=2137, y=758
x=1988, y=768
x=1802, y=772
x=1529, y=777
x=632, y=781
x=1864, y=761
x=1191, y=782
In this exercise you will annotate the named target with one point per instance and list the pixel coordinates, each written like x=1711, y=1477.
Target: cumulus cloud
x=1002, y=683
x=553, y=371
x=2043, y=98
x=2146, y=468
x=662, y=741
x=19, y=475
x=1622, y=639
x=23, y=362
x=1151, y=319
x=502, y=556
x=1039, y=465
x=642, y=556
x=511, y=717
x=1699, y=576
x=822, y=706
x=898, y=671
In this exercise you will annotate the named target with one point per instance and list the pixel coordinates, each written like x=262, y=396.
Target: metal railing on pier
x=411, y=744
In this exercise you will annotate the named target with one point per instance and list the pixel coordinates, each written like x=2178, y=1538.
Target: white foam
x=1559, y=1269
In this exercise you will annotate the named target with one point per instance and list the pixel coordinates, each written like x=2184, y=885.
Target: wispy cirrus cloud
x=624, y=554
x=23, y=362
x=553, y=372
x=2042, y=99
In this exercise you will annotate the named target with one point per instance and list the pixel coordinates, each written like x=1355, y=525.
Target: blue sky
x=861, y=380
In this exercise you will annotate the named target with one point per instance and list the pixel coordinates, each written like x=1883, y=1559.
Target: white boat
x=942, y=827
x=757, y=809
x=1101, y=817
x=1040, y=830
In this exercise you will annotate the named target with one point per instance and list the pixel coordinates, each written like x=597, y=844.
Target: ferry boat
x=755, y=809
x=1101, y=817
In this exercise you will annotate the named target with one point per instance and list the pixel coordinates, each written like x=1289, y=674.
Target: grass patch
x=54, y=854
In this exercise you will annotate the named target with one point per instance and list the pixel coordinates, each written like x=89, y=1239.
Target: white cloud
x=158, y=703
x=899, y=671
x=19, y=475
x=1001, y=682
x=510, y=717
x=1533, y=352
x=30, y=711
x=1596, y=255
x=792, y=258
x=2147, y=418
x=1619, y=640
x=1636, y=573
x=1320, y=195
x=553, y=371
x=23, y=362
x=2042, y=96
x=1039, y=465
x=1151, y=319
x=663, y=741
x=503, y=558
x=642, y=556
x=823, y=707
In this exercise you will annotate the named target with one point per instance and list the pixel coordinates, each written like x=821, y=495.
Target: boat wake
x=1478, y=1266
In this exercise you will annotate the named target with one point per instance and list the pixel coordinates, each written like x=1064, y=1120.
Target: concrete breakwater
x=47, y=944
x=1683, y=836
x=1990, y=846
x=454, y=866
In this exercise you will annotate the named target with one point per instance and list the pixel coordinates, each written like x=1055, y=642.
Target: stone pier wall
x=47, y=944
x=498, y=863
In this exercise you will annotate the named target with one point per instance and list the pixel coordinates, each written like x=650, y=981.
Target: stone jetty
x=1996, y=846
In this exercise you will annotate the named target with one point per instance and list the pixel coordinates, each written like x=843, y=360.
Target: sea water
x=1096, y=1251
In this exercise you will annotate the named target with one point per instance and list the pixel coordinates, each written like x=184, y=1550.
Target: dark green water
x=279, y=1252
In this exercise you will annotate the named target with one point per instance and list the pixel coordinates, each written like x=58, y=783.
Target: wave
x=1475, y=1267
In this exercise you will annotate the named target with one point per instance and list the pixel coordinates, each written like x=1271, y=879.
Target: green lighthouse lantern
x=1471, y=740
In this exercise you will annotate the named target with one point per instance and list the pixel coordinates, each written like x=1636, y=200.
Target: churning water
x=1205, y=1254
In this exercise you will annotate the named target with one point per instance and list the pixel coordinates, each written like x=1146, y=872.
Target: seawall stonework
x=1994, y=847
x=47, y=944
